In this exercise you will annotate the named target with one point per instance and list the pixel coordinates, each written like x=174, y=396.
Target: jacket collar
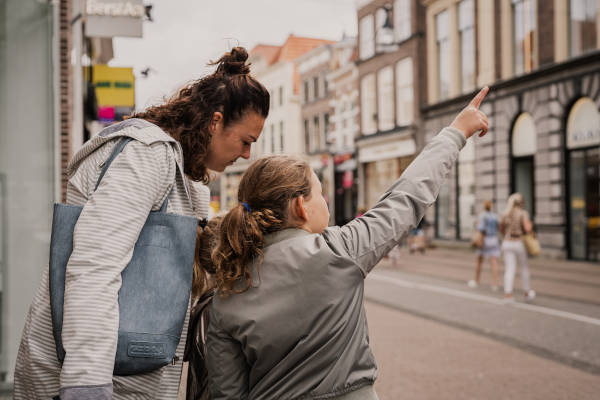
x=284, y=234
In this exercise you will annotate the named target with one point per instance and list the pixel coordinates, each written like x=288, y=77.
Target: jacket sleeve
x=226, y=364
x=138, y=180
x=368, y=238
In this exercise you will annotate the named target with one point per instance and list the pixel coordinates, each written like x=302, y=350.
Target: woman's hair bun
x=233, y=62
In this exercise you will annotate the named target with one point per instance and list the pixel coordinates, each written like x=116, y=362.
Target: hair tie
x=246, y=206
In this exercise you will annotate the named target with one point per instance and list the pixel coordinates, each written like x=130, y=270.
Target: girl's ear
x=298, y=210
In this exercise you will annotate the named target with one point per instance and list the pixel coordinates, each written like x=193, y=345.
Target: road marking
x=459, y=293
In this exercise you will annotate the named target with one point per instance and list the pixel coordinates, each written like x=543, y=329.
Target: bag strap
x=117, y=150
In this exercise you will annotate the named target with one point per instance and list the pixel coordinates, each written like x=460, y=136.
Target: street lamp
x=384, y=37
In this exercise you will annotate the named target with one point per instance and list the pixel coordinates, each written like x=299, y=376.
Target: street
x=435, y=338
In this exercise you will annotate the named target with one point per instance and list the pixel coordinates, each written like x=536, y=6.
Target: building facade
x=344, y=128
x=316, y=112
x=391, y=56
x=540, y=58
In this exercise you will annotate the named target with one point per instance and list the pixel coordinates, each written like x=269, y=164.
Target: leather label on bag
x=147, y=349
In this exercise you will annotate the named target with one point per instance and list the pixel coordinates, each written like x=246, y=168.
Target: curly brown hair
x=186, y=116
x=204, y=268
x=267, y=187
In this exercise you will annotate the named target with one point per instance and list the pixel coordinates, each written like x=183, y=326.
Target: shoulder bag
x=156, y=284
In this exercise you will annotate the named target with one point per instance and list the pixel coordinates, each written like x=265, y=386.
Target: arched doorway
x=583, y=180
x=523, y=148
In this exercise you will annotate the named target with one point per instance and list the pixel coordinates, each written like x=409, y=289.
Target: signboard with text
x=110, y=18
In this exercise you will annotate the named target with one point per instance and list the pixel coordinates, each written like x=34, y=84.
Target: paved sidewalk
x=421, y=359
x=560, y=279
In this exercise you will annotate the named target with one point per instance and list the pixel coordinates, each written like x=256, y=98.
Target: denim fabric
x=488, y=223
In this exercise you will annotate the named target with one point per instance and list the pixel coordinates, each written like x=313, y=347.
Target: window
x=385, y=91
x=524, y=26
x=404, y=92
x=316, y=87
x=326, y=126
x=325, y=86
x=443, y=53
x=306, y=88
x=265, y=141
x=280, y=95
x=272, y=138
x=368, y=104
x=466, y=190
x=316, y=134
x=307, y=135
x=402, y=28
x=281, y=137
x=467, y=45
x=524, y=146
x=367, y=37
x=583, y=26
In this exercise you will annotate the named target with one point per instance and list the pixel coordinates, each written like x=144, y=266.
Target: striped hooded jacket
x=149, y=169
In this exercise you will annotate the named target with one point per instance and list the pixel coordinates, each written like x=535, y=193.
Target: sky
x=187, y=34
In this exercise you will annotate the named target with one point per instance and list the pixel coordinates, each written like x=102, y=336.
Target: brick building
x=391, y=59
x=541, y=61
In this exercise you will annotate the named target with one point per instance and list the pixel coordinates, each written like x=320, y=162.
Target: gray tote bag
x=156, y=284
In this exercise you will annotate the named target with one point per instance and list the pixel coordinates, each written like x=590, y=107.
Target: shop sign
x=386, y=151
x=110, y=18
x=583, y=125
x=115, y=86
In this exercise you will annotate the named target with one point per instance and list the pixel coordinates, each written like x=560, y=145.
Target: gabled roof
x=292, y=48
x=269, y=52
x=295, y=46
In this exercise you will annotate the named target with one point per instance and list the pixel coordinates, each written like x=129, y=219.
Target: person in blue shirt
x=488, y=226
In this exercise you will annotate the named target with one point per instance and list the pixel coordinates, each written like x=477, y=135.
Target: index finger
x=476, y=102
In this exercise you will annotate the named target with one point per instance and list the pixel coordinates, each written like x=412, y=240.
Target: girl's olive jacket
x=300, y=331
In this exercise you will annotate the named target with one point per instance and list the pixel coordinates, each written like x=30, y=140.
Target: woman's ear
x=298, y=211
x=215, y=122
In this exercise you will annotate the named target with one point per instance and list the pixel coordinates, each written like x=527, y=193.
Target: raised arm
x=368, y=238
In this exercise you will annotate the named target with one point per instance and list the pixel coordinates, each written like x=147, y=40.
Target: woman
x=514, y=224
x=206, y=126
x=289, y=320
x=488, y=226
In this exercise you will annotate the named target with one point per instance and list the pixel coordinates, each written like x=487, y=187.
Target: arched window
x=523, y=148
x=583, y=171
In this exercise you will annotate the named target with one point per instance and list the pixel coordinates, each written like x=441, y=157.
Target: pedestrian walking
x=417, y=238
x=487, y=226
x=206, y=126
x=288, y=319
x=514, y=224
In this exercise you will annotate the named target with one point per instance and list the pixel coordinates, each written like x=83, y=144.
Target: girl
x=289, y=322
x=488, y=226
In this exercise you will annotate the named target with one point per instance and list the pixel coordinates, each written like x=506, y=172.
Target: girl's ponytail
x=264, y=194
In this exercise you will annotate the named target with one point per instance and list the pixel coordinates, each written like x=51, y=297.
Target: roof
x=292, y=48
x=269, y=52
